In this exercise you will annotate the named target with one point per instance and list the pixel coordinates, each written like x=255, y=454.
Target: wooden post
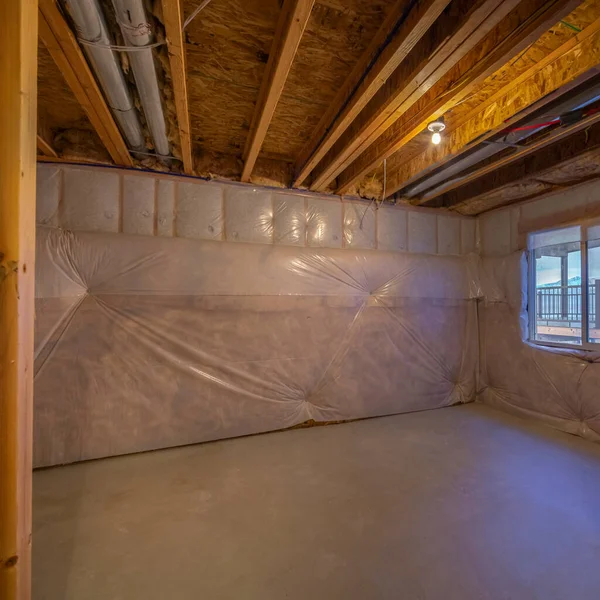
x=18, y=97
x=597, y=302
x=564, y=287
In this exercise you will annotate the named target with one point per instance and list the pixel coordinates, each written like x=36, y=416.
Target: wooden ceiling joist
x=44, y=135
x=537, y=17
x=578, y=56
x=370, y=73
x=44, y=146
x=510, y=154
x=290, y=27
x=451, y=38
x=69, y=160
x=64, y=49
x=173, y=22
x=530, y=164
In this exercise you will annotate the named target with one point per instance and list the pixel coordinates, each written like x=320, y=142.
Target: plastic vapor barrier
x=558, y=386
x=113, y=201
x=149, y=342
x=173, y=311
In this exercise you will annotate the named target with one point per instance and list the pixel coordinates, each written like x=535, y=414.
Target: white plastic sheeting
x=172, y=311
x=111, y=200
x=149, y=342
x=555, y=385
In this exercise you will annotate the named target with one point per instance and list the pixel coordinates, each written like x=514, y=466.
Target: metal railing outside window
x=564, y=286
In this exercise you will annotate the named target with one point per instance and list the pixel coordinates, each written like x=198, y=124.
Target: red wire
x=591, y=111
x=536, y=126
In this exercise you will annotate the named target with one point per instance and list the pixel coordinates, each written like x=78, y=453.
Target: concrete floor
x=461, y=503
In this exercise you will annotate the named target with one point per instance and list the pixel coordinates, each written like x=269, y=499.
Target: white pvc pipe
x=91, y=27
x=137, y=31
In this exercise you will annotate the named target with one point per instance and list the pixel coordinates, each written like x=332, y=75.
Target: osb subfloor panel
x=454, y=504
x=56, y=102
x=336, y=36
x=583, y=16
x=227, y=49
x=61, y=118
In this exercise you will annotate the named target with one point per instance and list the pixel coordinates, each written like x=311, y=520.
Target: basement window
x=564, y=287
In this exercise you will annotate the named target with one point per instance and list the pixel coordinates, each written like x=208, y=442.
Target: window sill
x=591, y=352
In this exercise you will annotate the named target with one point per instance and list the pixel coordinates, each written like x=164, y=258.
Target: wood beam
x=290, y=28
x=64, y=49
x=562, y=146
x=44, y=146
x=18, y=100
x=447, y=43
x=577, y=57
x=543, y=104
x=494, y=162
x=69, y=161
x=531, y=188
x=528, y=23
x=380, y=60
x=44, y=135
x=173, y=22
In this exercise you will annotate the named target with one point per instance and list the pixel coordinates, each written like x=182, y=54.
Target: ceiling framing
x=321, y=93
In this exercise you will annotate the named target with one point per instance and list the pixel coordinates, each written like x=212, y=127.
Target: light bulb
x=436, y=138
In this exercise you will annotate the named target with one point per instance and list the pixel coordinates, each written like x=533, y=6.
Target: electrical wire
x=195, y=13
x=374, y=200
x=534, y=126
x=384, y=180
x=573, y=27
x=120, y=48
x=154, y=154
x=360, y=225
x=554, y=121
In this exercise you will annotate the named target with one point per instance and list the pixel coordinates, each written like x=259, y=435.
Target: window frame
x=531, y=294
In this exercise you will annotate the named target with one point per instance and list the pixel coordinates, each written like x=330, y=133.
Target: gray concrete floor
x=461, y=503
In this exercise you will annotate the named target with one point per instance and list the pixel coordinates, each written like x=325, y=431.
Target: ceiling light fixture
x=436, y=127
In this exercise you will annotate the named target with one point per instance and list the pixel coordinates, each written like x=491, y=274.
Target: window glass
x=557, y=285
